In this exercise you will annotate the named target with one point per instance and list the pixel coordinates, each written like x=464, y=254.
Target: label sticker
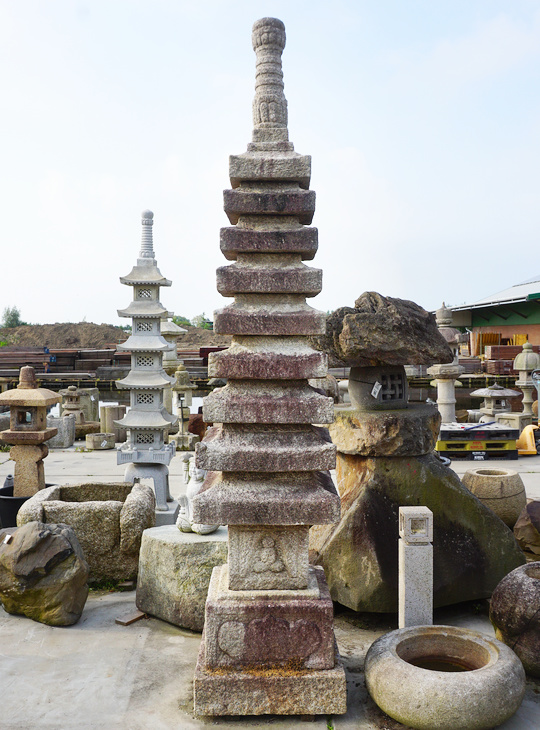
x=376, y=389
x=104, y=443
x=8, y=539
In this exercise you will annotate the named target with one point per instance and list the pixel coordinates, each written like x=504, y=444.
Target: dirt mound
x=76, y=336
x=87, y=335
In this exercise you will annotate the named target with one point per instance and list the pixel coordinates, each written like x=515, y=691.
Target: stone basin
x=444, y=677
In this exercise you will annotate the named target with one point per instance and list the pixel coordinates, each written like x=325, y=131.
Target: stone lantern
x=525, y=363
x=496, y=400
x=148, y=421
x=446, y=374
x=170, y=332
x=28, y=431
x=182, y=399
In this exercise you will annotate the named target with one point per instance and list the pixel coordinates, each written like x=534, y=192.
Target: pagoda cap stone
x=527, y=359
x=495, y=391
x=382, y=331
x=27, y=392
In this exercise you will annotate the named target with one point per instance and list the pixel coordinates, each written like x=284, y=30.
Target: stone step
x=299, y=203
x=238, y=319
x=293, y=498
x=300, y=279
x=245, y=401
x=242, y=240
x=244, y=448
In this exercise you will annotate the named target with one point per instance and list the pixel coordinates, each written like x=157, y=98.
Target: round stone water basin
x=444, y=677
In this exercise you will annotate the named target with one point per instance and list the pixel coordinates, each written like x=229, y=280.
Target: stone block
x=416, y=525
x=292, y=202
x=294, y=498
x=174, y=573
x=107, y=417
x=268, y=558
x=249, y=632
x=100, y=441
x=65, y=426
x=276, y=448
x=249, y=362
x=43, y=574
x=240, y=240
x=415, y=591
x=267, y=402
x=269, y=692
x=409, y=432
x=292, y=279
x=274, y=319
x=29, y=472
x=270, y=166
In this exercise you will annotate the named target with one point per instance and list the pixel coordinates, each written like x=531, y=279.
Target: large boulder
x=514, y=612
x=382, y=331
x=472, y=548
x=43, y=573
x=527, y=528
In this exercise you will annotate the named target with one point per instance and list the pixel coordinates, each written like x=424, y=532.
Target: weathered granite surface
x=174, y=573
x=382, y=331
x=43, y=573
x=514, y=612
x=472, y=549
x=527, y=528
x=411, y=431
x=108, y=520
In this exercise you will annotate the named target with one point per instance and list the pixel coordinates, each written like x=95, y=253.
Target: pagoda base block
x=168, y=517
x=264, y=692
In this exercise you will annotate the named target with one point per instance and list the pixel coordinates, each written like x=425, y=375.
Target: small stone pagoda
x=28, y=431
x=269, y=644
x=147, y=422
x=446, y=374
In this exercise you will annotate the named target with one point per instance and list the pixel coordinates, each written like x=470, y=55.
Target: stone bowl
x=502, y=490
x=444, y=677
x=515, y=613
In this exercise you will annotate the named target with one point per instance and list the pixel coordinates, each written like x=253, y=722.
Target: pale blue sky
x=422, y=119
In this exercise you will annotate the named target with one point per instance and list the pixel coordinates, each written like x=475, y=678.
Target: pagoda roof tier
x=270, y=166
x=146, y=343
x=288, y=278
x=148, y=309
x=149, y=274
x=274, y=448
x=282, y=202
x=293, y=498
x=269, y=315
x=262, y=358
x=246, y=401
x=147, y=419
x=243, y=240
x=141, y=380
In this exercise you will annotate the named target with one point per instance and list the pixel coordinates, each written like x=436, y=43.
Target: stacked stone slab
x=147, y=422
x=269, y=642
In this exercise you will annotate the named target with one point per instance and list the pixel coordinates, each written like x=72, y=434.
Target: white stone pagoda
x=147, y=421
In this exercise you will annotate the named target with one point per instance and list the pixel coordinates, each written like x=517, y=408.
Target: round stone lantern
x=525, y=363
x=28, y=431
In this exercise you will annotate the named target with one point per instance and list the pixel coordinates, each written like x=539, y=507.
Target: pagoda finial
x=269, y=104
x=147, y=246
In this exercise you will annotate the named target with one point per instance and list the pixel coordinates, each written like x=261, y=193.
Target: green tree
x=180, y=321
x=202, y=321
x=12, y=317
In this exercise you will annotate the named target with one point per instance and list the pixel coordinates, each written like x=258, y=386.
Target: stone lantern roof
x=27, y=392
x=527, y=359
x=495, y=391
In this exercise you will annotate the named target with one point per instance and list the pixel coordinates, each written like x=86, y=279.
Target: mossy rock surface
x=472, y=548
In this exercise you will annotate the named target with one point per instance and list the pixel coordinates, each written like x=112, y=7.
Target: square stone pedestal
x=269, y=652
x=174, y=573
x=168, y=516
x=514, y=420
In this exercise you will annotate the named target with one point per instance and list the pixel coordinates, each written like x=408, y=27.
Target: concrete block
x=65, y=425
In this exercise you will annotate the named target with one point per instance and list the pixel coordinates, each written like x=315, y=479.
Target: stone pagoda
x=446, y=374
x=147, y=422
x=269, y=643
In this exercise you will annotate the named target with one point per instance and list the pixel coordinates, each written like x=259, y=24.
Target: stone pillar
x=445, y=377
x=107, y=417
x=267, y=610
x=415, y=599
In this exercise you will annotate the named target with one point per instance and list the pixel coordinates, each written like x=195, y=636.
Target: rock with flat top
x=43, y=573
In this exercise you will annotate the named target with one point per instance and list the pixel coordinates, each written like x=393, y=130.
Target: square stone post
x=415, y=565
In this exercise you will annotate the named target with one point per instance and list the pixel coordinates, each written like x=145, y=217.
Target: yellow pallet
x=502, y=445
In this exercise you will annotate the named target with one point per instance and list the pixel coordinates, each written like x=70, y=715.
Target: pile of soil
x=87, y=335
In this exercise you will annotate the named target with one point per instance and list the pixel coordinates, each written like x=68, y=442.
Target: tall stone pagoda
x=147, y=422
x=269, y=642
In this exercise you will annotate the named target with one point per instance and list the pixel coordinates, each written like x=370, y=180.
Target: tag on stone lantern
x=376, y=389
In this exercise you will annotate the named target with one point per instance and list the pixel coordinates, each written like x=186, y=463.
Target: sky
x=422, y=118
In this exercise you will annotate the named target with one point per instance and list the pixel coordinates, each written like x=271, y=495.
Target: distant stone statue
x=194, y=477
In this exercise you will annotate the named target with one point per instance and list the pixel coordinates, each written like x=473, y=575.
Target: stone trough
x=108, y=520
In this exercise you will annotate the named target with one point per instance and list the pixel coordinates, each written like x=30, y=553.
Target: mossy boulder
x=472, y=548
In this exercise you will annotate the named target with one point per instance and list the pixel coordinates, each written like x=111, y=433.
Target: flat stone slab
x=267, y=692
x=174, y=573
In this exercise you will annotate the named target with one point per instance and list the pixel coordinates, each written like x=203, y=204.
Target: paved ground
x=99, y=675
